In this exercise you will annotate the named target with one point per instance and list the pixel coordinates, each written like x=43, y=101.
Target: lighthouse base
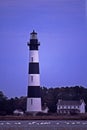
x=33, y=105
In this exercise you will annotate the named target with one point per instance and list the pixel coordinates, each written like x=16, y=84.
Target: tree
x=3, y=100
x=49, y=96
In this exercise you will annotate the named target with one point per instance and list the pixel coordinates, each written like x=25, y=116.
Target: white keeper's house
x=70, y=107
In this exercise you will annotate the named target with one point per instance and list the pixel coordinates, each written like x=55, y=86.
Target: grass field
x=45, y=117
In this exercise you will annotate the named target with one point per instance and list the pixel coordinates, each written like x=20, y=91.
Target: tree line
x=49, y=96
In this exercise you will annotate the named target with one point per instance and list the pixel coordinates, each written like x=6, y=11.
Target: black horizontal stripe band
x=33, y=41
x=33, y=45
x=33, y=68
x=34, y=91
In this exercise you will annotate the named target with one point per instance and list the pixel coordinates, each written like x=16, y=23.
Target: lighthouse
x=33, y=94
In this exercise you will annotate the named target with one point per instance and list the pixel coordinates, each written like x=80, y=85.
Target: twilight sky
x=61, y=27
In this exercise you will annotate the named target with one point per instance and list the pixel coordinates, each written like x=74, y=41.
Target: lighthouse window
x=32, y=59
x=32, y=78
x=31, y=101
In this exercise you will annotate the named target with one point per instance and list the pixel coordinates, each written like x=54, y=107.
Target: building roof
x=71, y=102
x=33, y=32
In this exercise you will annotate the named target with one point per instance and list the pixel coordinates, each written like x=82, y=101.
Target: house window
x=68, y=112
x=64, y=107
x=58, y=107
x=31, y=78
x=77, y=107
x=61, y=107
x=68, y=107
x=72, y=107
x=64, y=111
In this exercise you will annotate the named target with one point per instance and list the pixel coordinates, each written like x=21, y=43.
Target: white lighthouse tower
x=33, y=95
